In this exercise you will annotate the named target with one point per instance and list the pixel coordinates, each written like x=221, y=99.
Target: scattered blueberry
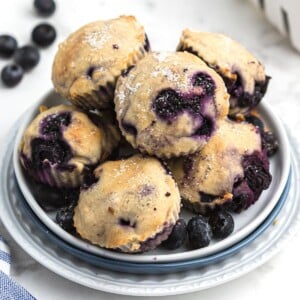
x=50, y=198
x=177, y=237
x=238, y=203
x=199, y=232
x=44, y=7
x=11, y=75
x=27, y=57
x=257, y=122
x=64, y=218
x=270, y=143
x=221, y=223
x=43, y=34
x=8, y=45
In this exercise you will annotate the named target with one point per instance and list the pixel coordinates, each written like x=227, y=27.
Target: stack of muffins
x=181, y=115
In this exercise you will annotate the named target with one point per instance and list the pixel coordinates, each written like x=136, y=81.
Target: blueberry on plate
x=44, y=7
x=43, y=34
x=27, y=57
x=11, y=75
x=64, y=218
x=257, y=122
x=270, y=143
x=8, y=45
x=221, y=223
x=199, y=232
x=177, y=237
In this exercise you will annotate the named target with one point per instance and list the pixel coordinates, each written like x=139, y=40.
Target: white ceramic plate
x=245, y=222
x=37, y=245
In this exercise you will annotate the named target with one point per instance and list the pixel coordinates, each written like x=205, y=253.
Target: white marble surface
x=163, y=21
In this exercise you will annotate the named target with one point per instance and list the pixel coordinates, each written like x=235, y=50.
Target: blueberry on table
x=43, y=34
x=8, y=45
x=177, y=237
x=199, y=232
x=44, y=7
x=11, y=75
x=27, y=57
x=221, y=223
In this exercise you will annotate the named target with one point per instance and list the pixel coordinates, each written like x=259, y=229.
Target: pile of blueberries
x=200, y=230
x=27, y=57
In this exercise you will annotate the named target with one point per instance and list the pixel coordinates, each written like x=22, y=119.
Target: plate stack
x=260, y=231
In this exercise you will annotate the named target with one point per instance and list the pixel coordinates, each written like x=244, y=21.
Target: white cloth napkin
x=9, y=289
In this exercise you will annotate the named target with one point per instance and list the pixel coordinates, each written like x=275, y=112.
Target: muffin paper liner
x=102, y=97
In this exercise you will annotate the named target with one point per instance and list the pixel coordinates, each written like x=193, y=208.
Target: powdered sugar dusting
x=97, y=39
x=133, y=89
x=161, y=56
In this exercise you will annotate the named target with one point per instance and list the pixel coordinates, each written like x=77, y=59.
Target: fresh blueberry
x=64, y=218
x=270, y=143
x=44, y=7
x=43, y=34
x=8, y=45
x=50, y=198
x=257, y=122
x=177, y=237
x=199, y=232
x=221, y=223
x=238, y=203
x=27, y=57
x=11, y=75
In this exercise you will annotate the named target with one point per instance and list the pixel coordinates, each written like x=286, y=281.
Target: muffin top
x=168, y=104
x=226, y=56
x=65, y=136
x=96, y=54
x=132, y=206
x=210, y=176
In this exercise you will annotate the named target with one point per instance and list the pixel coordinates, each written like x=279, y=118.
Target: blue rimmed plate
x=38, y=244
x=245, y=223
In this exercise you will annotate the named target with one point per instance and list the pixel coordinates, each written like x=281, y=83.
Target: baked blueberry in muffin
x=62, y=144
x=169, y=103
x=89, y=61
x=132, y=205
x=243, y=74
x=231, y=170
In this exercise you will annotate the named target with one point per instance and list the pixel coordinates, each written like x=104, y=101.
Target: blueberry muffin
x=132, y=205
x=62, y=144
x=231, y=170
x=168, y=104
x=89, y=61
x=243, y=74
